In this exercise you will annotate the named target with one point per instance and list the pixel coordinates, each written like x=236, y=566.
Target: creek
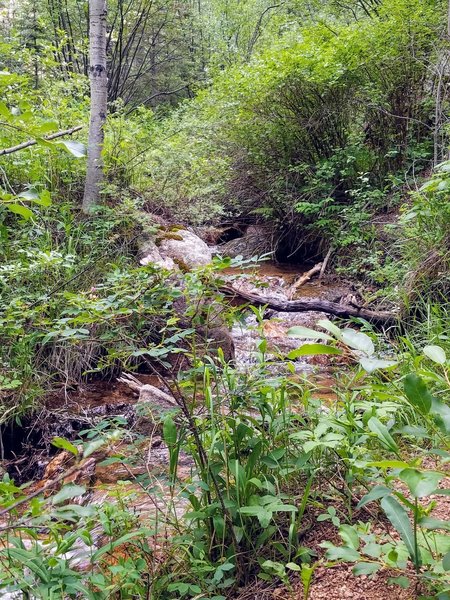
x=30, y=456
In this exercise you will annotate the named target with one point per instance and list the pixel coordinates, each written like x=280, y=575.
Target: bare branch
x=46, y=138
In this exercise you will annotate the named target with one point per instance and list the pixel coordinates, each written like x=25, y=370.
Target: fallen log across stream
x=315, y=304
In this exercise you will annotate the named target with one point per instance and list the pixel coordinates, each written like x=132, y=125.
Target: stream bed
x=30, y=457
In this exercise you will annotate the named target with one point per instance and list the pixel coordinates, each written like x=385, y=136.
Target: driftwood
x=314, y=304
x=303, y=279
x=149, y=393
x=47, y=138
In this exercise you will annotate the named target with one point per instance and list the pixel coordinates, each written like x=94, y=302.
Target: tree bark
x=99, y=97
x=315, y=304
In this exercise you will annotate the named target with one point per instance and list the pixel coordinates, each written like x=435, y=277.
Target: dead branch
x=47, y=138
x=314, y=304
x=303, y=279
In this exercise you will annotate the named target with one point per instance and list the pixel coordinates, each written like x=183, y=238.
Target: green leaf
x=417, y=393
x=60, y=442
x=305, y=332
x=77, y=149
x=401, y=581
x=420, y=483
x=313, y=349
x=372, y=364
x=93, y=447
x=44, y=199
x=46, y=127
x=366, y=568
x=30, y=194
x=446, y=562
x=398, y=516
x=264, y=516
x=293, y=567
x=169, y=431
x=26, y=557
x=18, y=209
x=383, y=434
x=431, y=523
x=344, y=553
x=358, y=341
x=349, y=536
x=379, y=491
x=441, y=414
x=4, y=111
x=68, y=492
x=331, y=327
x=436, y=354
x=388, y=464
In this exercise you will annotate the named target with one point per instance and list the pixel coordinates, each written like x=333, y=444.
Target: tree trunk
x=99, y=97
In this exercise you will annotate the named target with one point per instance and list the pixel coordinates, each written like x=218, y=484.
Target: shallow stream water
x=114, y=399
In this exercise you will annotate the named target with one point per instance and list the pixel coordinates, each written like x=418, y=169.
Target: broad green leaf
x=398, y=516
x=77, y=149
x=436, y=354
x=349, y=536
x=60, y=442
x=28, y=558
x=383, y=434
x=68, y=492
x=93, y=446
x=306, y=577
x=18, y=209
x=441, y=414
x=46, y=127
x=293, y=567
x=417, y=393
x=331, y=327
x=313, y=349
x=305, y=332
x=420, y=483
x=30, y=194
x=379, y=491
x=366, y=568
x=372, y=364
x=264, y=516
x=44, y=199
x=343, y=553
x=401, y=581
x=446, y=562
x=4, y=111
x=46, y=143
x=431, y=523
x=358, y=341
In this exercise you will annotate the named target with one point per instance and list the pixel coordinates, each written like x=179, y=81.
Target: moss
x=180, y=263
x=167, y=235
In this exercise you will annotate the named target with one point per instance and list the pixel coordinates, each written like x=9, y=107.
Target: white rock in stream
x=190, y=251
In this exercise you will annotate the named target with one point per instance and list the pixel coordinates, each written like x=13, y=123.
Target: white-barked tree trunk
x=99, y=97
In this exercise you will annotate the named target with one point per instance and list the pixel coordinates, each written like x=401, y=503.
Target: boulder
x=256, y=241
x=184, y=248
x=149, y=253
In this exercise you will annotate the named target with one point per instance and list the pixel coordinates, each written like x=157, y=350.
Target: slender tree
x=99, y=96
